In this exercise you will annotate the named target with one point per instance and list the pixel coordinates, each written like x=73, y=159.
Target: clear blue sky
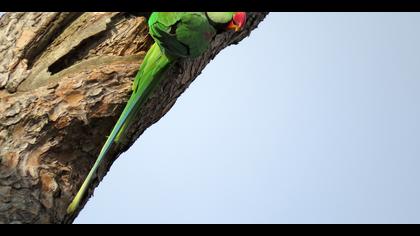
x=313, y=119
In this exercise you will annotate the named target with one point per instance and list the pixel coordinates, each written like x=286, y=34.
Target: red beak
x=238, y=21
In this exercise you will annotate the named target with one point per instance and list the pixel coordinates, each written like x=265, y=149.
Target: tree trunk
x=64, y=80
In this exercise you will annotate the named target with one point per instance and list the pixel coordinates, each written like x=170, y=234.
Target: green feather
x=149, y=75
x=196, y=32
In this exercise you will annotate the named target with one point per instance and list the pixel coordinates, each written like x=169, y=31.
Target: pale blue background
x=312, y=119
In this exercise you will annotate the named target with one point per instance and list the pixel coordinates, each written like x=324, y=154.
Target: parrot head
x=238, y=21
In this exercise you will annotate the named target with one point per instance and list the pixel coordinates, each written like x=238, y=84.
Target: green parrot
x=177, y=35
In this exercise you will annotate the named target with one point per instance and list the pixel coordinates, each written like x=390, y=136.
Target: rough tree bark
x=64, y=79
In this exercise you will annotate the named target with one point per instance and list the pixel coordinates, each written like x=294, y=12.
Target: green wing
x=195, y=31
x=181, y=34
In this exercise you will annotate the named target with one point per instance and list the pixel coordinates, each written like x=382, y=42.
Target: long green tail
x=154, y=65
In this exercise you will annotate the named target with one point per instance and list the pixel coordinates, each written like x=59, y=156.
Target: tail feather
x=149, y=75
x=154, y=65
